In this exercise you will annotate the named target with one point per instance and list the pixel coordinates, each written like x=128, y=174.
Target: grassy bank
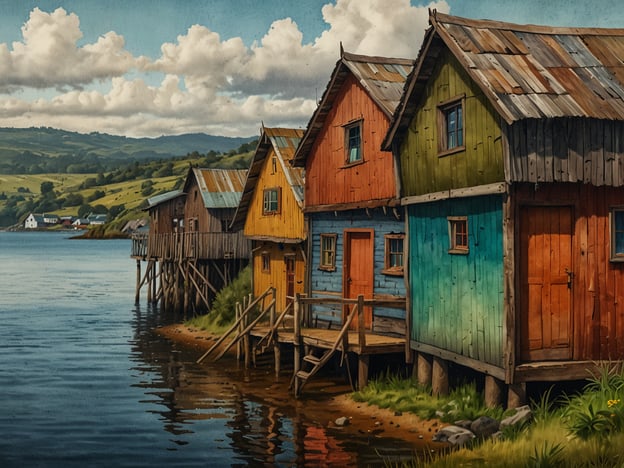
x=585, y=429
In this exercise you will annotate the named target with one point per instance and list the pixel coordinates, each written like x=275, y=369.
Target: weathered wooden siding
x=288, y=223
x=567, y=150
x=422, y=170
x=194, y=208
x=328, y=180
x=598, y=284
x=276, y=277
x=162, y=216
x=329, y=283
x=457, y=300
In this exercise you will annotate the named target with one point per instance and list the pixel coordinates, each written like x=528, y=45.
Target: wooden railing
x=191, y=245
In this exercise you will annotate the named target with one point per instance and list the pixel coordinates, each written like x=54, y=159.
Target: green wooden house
x=510, y=148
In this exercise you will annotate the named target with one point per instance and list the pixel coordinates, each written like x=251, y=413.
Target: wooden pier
x=312, y=347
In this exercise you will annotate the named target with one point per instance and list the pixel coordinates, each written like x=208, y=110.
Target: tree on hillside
x=47, y=187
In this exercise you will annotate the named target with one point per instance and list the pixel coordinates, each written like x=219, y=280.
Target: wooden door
x=289, y=262
x=546, y=276
x=358, y=275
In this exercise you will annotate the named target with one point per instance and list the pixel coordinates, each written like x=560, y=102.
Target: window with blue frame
x=617, y=234
x=451, y=126
x=353, y=137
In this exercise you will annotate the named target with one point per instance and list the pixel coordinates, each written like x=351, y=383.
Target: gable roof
x=526, y=71
x=220, y=188
x=382, y=78
x=156, y=200
x=284, y=142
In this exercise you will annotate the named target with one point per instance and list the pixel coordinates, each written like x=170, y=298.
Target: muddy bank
x=323, y=401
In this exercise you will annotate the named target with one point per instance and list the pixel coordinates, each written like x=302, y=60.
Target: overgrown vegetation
x=223, y=311
x=581, y=430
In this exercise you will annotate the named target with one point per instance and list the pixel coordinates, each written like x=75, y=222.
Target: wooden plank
x=510, y=286
x=561, y=371
x=479, y=190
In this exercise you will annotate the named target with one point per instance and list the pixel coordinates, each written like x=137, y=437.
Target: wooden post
x=149, y=278
x=239, y=345
x=154, y=290
x=439, y=377
x=137, y=297
x=424, y=369
x=361, y=326
x=297, y=340
x=363, y=363
x=516, y=395
x=246, y=342
x=493, y=391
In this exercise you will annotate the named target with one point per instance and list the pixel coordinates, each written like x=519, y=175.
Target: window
x=451, y=126
x=617, y=234
x=458, y=234
x=394, y=254
x=271, y=201
x=353, y=137
x=328, y=252
x=266, y=262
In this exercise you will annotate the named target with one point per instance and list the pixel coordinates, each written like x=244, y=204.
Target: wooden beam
x=489, y=189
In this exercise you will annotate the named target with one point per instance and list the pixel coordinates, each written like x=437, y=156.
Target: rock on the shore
x=342, y=421
x=454, y=435
x=484, y=426
x=522, y=416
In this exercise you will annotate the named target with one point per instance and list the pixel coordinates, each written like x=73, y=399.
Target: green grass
x=563, y=433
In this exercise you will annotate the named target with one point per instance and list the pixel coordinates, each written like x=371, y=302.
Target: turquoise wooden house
x=509, y=140
x=351, y=195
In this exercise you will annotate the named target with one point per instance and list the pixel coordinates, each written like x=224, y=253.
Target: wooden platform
x=325, y=339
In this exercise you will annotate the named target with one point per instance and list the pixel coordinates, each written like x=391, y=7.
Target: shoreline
x=325, y=406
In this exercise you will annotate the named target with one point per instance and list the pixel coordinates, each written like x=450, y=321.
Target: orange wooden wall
x=598, y=285
x=328, y=181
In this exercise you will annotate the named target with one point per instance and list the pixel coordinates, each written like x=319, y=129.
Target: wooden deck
x=325, y=339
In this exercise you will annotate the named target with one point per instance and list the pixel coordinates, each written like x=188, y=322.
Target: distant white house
x=80, y=222
x=35, y=220
x=95, y=219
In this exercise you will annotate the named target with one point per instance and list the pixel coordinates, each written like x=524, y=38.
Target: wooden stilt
x=137, y=297
x=424, y=369
x=516, y=395
x=493, y=391
x=363, y=364
x=439, y=377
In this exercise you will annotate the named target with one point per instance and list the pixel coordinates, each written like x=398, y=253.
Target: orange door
x=290, y=278
x=358, y=272
x=546, y=277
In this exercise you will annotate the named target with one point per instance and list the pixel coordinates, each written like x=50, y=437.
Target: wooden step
x=302, y=375
x=312, y=359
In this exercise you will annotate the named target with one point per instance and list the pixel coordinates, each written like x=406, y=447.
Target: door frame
x=519, y=300
x=346, y=254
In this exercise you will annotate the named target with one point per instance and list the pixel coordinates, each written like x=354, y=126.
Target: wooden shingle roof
x=284, y=142
x=526, y=71
x=383, y=79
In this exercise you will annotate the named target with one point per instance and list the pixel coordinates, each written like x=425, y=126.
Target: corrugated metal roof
x=526, y=71
x=284, y=142
x=382, y=77
x=163, y=197
x=220, y=188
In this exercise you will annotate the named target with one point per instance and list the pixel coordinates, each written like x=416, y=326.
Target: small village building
x=43, y=220
x=271, y=215
x=190, y=240
x=510, y=140
x=356, y=231
x=97, y=219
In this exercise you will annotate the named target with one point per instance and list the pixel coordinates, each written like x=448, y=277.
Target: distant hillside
x=44, y=150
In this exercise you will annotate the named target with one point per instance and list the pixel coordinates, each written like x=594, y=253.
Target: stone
x=465, y=423
x=523, y=415
x=454, y=435
x=484, y=426
x=342, y=421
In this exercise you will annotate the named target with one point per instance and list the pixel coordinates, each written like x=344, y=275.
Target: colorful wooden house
x=356, y=230
x=510, y=140
x=270, y=214
x=191, y=239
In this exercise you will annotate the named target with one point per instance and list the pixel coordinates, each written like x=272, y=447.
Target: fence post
x=360, y=324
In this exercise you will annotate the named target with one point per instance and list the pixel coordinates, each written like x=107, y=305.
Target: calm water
x=85, y=382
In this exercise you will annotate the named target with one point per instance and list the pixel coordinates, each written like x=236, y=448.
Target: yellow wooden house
x=270, y=211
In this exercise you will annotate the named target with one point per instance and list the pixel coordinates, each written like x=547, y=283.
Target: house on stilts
x=355, y=286
x=190, y=249
x=510, y=140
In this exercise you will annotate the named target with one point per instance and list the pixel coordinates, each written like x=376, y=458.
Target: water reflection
x=253, y=419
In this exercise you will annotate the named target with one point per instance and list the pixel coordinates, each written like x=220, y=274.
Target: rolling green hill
x=48, y=150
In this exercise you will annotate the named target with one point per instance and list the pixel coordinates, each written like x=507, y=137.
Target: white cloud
x=211, y=85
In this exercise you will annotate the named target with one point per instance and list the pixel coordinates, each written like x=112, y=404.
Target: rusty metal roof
x=526, y=71
x=383, y=79
x=220, y=188
x=156, y=200
x=284, y=142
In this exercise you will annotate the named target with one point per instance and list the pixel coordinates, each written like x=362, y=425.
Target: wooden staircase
x=316, y=363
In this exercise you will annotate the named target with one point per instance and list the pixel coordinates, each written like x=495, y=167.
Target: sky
x=145, y=68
